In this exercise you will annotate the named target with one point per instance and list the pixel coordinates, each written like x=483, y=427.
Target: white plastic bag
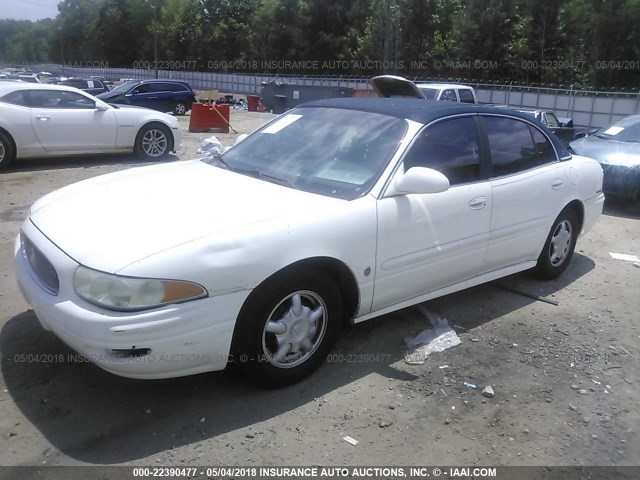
x=436, y=339
x=210, y=146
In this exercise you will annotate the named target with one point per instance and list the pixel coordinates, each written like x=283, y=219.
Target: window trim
x=530, y=124
x=481, y=144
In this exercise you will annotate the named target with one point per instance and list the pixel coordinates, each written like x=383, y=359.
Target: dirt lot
x=566, y=377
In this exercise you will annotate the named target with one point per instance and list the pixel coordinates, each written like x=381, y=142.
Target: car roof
x=533, y=110
x=427, y=111
x=442, y=85
x=163, y=80
x=419, y=110
x=8, y=87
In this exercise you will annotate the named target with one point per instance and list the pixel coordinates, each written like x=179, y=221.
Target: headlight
x=129, y=293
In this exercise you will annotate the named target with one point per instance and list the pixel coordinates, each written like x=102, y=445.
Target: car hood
x=112, y=221
x=608, y=152
x=110, y=94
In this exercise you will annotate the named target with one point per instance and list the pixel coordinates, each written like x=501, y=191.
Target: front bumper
x=177, y=138
x=592, y=210
x=621, y=181
x=182, y=339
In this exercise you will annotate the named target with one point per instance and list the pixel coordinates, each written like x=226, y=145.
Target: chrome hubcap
x=180, y=109
x=295, y=329
x=154, y=143
x=560, y=243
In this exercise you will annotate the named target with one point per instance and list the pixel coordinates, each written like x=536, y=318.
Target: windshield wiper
x=216, y=158
x=254, y=172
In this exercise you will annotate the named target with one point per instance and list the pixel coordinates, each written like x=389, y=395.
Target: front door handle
x=43, y=118
x=557, y=183
x=478, y=203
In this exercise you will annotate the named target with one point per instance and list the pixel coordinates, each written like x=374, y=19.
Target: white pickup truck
x=393, y=86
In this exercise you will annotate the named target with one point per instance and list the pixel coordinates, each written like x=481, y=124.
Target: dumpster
x=205, y=116
x=296, y=94
x=252, y=103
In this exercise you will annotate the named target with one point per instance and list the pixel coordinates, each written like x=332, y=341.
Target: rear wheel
x=180, y=108
x=559, y=247
x=6, y=151
x=287, y=327
x=154, y=141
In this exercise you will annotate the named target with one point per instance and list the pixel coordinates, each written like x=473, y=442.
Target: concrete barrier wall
x=587, y=108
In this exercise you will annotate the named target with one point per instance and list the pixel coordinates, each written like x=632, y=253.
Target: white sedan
x=43, y=120
x=339, y=210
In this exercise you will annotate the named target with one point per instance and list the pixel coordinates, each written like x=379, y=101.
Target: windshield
x=124, y=87
x=329, y=151
x=625, y=130
x=429, y=93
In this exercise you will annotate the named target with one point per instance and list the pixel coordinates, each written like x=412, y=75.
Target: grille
x=41, y=268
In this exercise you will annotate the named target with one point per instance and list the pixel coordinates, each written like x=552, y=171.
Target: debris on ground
x=350, y=440
x=438, y=338
x=625, y=257
x=488, y=392
x=470, y=385
x=210, y=146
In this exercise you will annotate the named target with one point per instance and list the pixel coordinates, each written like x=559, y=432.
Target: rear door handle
x=557, y=183
x=478, y=203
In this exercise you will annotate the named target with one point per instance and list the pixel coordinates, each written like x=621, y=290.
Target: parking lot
x=565, y=376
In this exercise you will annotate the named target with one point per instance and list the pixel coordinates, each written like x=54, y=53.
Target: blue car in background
x=164, y=95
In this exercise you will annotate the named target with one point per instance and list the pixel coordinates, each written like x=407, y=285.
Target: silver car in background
x=617, y=148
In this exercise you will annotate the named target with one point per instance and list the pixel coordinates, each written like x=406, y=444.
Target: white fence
x=587, y=108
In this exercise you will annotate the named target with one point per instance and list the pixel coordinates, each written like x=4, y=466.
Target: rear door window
x=512, y=146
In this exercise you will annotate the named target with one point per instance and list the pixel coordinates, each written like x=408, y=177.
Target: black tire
x=559, y=247
x=7, y=153
x=255, y=350
x=154, y=141
x=180, y=109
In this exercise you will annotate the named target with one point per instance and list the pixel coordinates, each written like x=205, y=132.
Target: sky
x=28, y=9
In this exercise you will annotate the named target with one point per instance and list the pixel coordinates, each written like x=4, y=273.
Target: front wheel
x=154, y=141
x=559, y=247
x=287, y=327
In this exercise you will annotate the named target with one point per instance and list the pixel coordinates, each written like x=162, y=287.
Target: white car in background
x=392, y=86
x=44, y=120
x=339, y=210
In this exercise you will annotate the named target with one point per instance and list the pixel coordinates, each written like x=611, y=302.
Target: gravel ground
x=565, y=377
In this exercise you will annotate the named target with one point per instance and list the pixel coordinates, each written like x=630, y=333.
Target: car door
x=166, y=96
x=528, y=187
x=143, y=96
x=430, y=241
x=64, y=120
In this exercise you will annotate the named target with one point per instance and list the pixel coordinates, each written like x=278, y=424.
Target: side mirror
x=420, y=180
x=240, y=139
x=101, y=107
